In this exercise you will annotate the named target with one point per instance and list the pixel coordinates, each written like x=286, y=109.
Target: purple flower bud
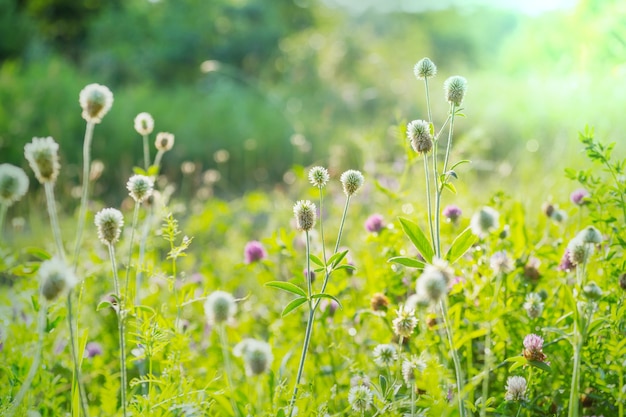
x=452, y=213
x=92, y=349
x=330, y=306
x=304, y=272
x=566, y=262
x=579, y=197
x=374, y=223
x=254, y=251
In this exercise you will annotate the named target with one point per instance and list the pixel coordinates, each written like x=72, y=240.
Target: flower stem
x=321, y=225
x=428, y=201
x=146, y=152
x=54, y=221
x=3, y=213
x=77, y=380
x=455, y=357
x=120, y=327
x=227, y=368
x=85, y=191
x=577, y=344
x=444, y=180
x=157, y=159
x=130, y=250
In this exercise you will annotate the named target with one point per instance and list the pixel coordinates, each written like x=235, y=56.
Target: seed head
x=257, y=355
x=96, y=101
x=592, y=291
x=418, y=133
x=425, y=68
x=144, y=123
x=219, y=307
x=405, y=322
x=304, y=211
x=56, y=277
x=533, y=305
x=547, y=208
x=140, y=187
x=318, y=176
x=559, y=215
x=533, y=348
x=13, y=184
x=484, y=221
x=164, y=141
x=579, y=251
x=501, y=263
x=431, y=285
x=385, y=355
x=109, y=222
x=590, y=235
x=43, y=157
x=411, y=367
x=515, y=389
x=351, y=180
x=379, y=302
x=455, y=88
x=254, y=252
x=360, y=398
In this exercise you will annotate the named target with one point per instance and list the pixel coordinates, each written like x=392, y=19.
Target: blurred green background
x=251, y=88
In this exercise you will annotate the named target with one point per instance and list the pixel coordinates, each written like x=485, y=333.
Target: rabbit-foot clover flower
x=484, y=221
x=109, y=222
x=579, y=250
x=140, y=187
x=96, y=101
x=42, y=155
x=533, y=305
x=405, y=322
x=515, y=388
x=164, y=141
x=374, y=223
x=385, y=355
x=566, y=263
x=580, y=197
x=254, y=252
x=500, y=263
x=432, y=285
x=318, y=176
x=455, y=88
x=425, y=68
x=592, y=291
x=13, y=184
x=411, y=367
x=360, y=398
x=219, y=307
x=533, y=348
x=351, y=181
x=590, y=235
x=418, y=133
x=144, y=123
x=257, y=355
x=305, y=214
x=57, y=278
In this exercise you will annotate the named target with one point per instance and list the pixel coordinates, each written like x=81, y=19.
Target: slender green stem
x=130, y=251
x=54, y=221
x=620, y=402
x=34, y=367
x=450, y=133
x=343, y=221
x=444, y=180
x=3, y=213
x=455, y=358
x=146, y=153
x=577, y=343
x=227, y=367
x=77, y=380
x=428, y=201
x=519, y=410
x=121, y=313
x=434, y=235
x=142, y=253
x=412, y=399
x=487, y=370
x=321, y=224
x=85, y=191
x=157, y=159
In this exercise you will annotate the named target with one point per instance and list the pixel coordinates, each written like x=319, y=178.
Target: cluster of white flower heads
x=42, y=155
x=96, y=101
x=220, y=307
x=13, y=184
x=109, y=222
x=144, y=123
x=257, y=355
x=56, y=277
x=140, y=187
x=411, y=367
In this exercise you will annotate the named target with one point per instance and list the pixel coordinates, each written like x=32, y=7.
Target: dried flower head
x=109, y=222
x=43, y=157
x=405, y=322
x=219, y=307
x=547, y=208
x=144, y=123
x=304, y=211
x=385, y=355
x=96, y=101
x=425, y=68
x=500, y=263
x=579, y=197
x=418, y=133
x=13, y=184
x=533, y=305
x=257, y=355
x=579, y=250
x=318, y=176
x=432, y=285
x=374, y=223
x=515, y=389
x=590, y=235
x=379, y=302
x=484, y=221
x=351, y=180
x=452, y=213
x=57, y=278
x=360, y=398
x=254, y=251
x=533, y=348
x=455, y=88
x=140, y=187
x=622, y=281
x=411, y=367
x=164, y=141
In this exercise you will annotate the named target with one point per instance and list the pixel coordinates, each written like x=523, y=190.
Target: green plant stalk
x=130, y=251
x=175, y=287
x=85, y=191
x=227, y=367
x=41, y=328
x=321, y=225
x=157, y=159
x=54, y=221
x=488, y=343
x=455, y=358
x=620, y=403
x=429, y=203
x=435, y=235
x=77, y=380
x=445, y=179
x=142, y=254
x=519, y=410
x=3, y=213
x=577, y=344
x=120, y=327
x=146, y=153
x=413, y=399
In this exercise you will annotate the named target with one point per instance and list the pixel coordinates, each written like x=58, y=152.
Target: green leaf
x=293, y=305
x=287, y=286
x=541, y=365
x=418, y=238
x=406, y=261
x=38, y=253
x=316, y=260
x=346, y=267
x=153, y=171
x=518, y=362
x=449, y=186
x=460, y=245
x=103, y=304
x=324, y=295
x=383, y=384
x=336, y=258
x=464, y=161
x=140, y=171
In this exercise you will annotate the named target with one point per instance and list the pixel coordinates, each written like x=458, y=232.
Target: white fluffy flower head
x=42, y=155
x=56, y=277
x=219, y=307
x=455, y=88
x=13, y=184
x=515, y=388
x=484, y=221
x=256, y=354
x=352, y=180
x=109, y=222
x=318, y=176
x=140, y=187
x=385, y=355
x=144, y=123
x=305, y=214
x=360, y=398
x=425, y=68
x=96, y=101
x=164, y=141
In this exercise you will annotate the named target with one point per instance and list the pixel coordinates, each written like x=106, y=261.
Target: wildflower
x=547, y=209
x=329, y=307
x=109, y=222
x=566, y=263
x=533, y=305
x=57, y=278
x=164, y=141
x=432, y=285
x=515, y=388
x=140, y=187
x=254, y=252
x=374, y=223
x=559, y=216
x=385, y=355
x=590, y=235
x=533, y=348
x=418, y=133
x=219, y=307
x=309, y=273
x=425, y=68
x=485, y=220
x=144, y=123
x=452, y=213
x=13, y=184
x=305, y=214
x=622, y=281
x=405, y=322
x=500, y=263
x=257, y=355
x=360, y=398
x=93, y=349
x=318, y=176
x=531, y=269
x=455, y=88
x=579, y=197
x=43, y=157
x=592, y=291
x=579, y=251
x=379, y=302
x=351, y=180
x=410, y=367
x=96, y=101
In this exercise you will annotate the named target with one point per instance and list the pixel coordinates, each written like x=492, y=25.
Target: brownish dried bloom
x=379, y=302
